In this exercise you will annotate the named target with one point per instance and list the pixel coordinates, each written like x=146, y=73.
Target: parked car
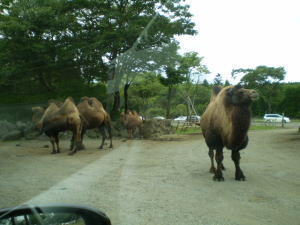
x=194, y=118
x=181, y=119
x=275, y=118
x=159, y=118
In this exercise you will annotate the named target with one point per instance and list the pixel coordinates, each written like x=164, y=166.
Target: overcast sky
x=236, y=34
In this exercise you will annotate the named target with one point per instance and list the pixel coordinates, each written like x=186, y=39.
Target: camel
x=94, y=116
x=131, y=120
x=225, y=123
x=61, y=117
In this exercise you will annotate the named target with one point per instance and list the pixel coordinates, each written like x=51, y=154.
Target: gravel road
x=160, y=182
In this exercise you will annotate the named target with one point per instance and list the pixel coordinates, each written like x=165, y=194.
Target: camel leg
x=72, y=142
x=57, y=143
x=239, y=175
x=102, y=131
x=77, y=134
x=82, y=147
x=52, y=140
x=129, y=131
x=133, y=131
x=211, y=156
x=219, y=158
x=108, y=126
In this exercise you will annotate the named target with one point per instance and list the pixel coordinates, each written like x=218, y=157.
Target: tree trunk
x=168, y=102
x=44, y=83
x=269, y=107
x=116, y=105
x=126, y=87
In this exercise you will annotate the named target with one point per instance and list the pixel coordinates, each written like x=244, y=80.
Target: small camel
x=131, y=120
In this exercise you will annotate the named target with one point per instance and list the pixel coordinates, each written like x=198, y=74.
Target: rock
x=6, y=127
x=93, y=133
x=12, y=135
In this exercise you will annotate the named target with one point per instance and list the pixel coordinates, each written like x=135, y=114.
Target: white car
x=275, y=118
x=181, y=119
x=159, y=118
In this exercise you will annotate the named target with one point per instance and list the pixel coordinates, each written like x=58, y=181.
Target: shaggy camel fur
x=225, y=123
x=94, y=116
x=56, y=119
x=131, y=120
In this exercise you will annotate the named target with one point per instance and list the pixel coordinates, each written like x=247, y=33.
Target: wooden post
x=282, y=120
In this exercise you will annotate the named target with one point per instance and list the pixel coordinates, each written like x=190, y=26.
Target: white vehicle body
x=275, y=118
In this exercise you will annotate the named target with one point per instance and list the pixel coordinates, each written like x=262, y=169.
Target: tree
x=144, y=92
x=290, y=103
x=192, y=68
x=266, y=80
x=205, y=83
x=218, y=80
x=141, y=25
x=227, y=83
x=174, y=77
x=48, y=45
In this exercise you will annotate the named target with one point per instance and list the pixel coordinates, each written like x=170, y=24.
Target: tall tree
x=174, y=76
x=265, y=79
x=218, y=80
x=192, y=69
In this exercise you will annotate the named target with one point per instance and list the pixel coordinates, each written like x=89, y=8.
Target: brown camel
x=56, y=119
x=131, y=120
x=94, y=116
x=225, y=123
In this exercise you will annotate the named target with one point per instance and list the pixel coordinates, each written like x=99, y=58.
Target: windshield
x=142, y=109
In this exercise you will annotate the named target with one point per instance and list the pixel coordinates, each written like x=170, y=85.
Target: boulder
x=12, y=135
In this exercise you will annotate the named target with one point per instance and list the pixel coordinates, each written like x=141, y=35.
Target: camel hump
x=68, y=107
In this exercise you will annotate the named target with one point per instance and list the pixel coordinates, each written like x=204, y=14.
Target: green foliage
x=47, y=46
x=218, y=80
x=290, y=103
x=266, y=81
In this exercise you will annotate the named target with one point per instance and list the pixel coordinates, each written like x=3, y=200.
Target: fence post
x=282, y=120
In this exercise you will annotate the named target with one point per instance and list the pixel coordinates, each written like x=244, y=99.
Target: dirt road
x=160, y=182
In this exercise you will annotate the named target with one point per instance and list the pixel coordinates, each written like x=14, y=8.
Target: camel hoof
x=53, y=152
x=212, y=170
x=239, y=176
x=215, y=178
x=72, y=153
x=110, y=146
x=218, y=176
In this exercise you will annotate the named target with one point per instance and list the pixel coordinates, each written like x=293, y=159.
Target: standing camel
x=61, y=117
x=94, y=116
x=225, y=123
x=131, y=120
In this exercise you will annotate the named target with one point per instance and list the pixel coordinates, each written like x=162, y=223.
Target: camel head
x=237, y=95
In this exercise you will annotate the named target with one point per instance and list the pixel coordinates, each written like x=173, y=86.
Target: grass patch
x=194, y=130
x=188, y=130
x=261, y=127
